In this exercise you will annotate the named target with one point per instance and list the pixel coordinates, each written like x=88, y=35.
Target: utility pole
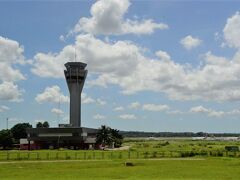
x=7, y=123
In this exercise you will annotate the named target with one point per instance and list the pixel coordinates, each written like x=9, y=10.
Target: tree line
x=176, y=134
x=105, y=136
x=8, y=137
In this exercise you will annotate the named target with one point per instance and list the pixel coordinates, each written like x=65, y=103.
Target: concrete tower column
x=75, y=75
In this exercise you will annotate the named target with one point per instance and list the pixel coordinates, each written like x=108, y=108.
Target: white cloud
x=139, y=73
x=164, y=56
x=215, y=79
x=209, y=112
x=231, y=31
x=127, y=116
x=57, y=111
x=10, y=92
x=107, y=17
x=62, y=38
x=155, y=107
x=100, y=56
x=4, y=108
x=134, y=105
x=7, y=73
x=11, y=51
x=234, y=112
x=51, y=65
x=190, y=42
x=175, y=112
x=216, y=113
x=119, y=108
x=11, y=54
x=101, y=102
x=52, y=94
x=87, y=99
x=98, y=116
x=199, y=109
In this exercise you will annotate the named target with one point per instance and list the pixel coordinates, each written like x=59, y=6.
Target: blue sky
x=153, y=65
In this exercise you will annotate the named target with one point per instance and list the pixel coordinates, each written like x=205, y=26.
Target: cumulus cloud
x=164, y=56
x=4, y=108
x=134, y=105
x=10, y=92
x=52, y=94
x=216, y=113
x=86, y=99
x=101, y=102
x=98, y=116
x=209, y=112
x=11, y=55
x=119, y=108
x=57, y=111
x=155, y=107
x=127, y=116
x=199, y=109
x=175, y=112
x=124, y=63
x=107, y=17
x=100, y=56
x=190, y=42
x=231, y=31
x=11, y=51
x=139, y=73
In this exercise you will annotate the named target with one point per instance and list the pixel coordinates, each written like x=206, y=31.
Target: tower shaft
x=75, y=76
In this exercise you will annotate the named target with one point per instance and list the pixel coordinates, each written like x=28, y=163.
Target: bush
x=145, y=145
x=154, y=154
x=145, y=154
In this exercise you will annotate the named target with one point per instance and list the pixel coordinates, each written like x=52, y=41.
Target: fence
x=98, y=155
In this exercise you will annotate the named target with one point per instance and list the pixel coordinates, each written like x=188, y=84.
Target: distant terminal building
x=70, y=135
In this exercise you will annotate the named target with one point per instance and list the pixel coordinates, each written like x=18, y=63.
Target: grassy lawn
x=179, y=145
x=138, y=149
x=209, y=168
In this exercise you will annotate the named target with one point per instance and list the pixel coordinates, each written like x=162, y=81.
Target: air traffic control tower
x=72, y=134
x=75, y=75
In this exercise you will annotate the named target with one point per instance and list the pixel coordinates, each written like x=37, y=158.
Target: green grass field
x=178, y=145
x=139, y=149
x=154, y=159
x=209, y=168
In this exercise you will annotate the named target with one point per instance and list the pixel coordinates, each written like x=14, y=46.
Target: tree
x=45, y=124
x=6, y=139
x=108, y=136
x=116, y=137
x=19, y=130
x=39, y=125
x=104, y=136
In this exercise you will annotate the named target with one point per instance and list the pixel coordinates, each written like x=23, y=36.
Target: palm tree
x=104, y=136
x=108, y=136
